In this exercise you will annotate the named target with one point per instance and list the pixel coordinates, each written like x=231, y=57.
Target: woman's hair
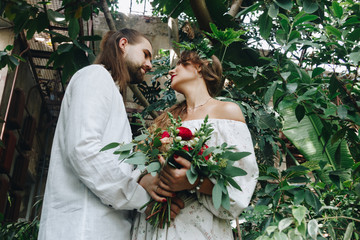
x=112, y=57
x=211, y=71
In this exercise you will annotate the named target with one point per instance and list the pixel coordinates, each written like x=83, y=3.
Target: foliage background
x=293, y=68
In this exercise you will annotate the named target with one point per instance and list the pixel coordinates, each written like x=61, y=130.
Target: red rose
x=187, y=148
x=185, y=133
x=202, y=150
x=165, y=134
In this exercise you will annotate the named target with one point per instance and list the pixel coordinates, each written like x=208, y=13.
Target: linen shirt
x=90, y=194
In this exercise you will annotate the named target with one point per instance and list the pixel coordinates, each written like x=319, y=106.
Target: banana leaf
x=306, y=137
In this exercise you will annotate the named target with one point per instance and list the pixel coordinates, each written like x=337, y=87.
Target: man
x=89, y=194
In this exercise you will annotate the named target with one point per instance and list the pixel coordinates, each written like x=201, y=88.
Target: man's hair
x=112, y=57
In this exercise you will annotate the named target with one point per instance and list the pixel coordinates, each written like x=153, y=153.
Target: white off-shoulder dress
x=199, y=219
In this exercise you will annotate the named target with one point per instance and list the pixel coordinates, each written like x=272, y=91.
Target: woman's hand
x=173, y=179
x=151, y=185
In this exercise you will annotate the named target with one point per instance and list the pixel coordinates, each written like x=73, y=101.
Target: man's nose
x=148, y=64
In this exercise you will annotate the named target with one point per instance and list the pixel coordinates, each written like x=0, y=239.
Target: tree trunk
x=107, y=14
x=202, y=14
x=111, y=24
x=235, y=6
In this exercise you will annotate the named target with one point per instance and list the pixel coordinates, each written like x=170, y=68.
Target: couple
x=89, y=195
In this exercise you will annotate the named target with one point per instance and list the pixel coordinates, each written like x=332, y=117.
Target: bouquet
x=212, y=162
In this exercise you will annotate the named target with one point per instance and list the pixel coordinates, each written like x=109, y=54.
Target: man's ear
x=123, y=42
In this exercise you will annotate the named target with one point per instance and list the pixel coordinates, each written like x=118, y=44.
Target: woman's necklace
x=192, y=109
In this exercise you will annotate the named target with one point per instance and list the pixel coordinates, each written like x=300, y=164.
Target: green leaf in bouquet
x=208, y=151
x=192, y=177
x=157, y=142
x=154, y=153
x=216, y=195
x=233, y=183
x=153, y=167
x=234, y=171
x=224, y=145
x=234, y=156
x=225, y=201
x=137, y=158
x=141, y=137
x=124, y=154
x=110, y=146
x=127, y=147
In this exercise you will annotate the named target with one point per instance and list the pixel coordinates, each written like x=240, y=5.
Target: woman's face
x=183, y=73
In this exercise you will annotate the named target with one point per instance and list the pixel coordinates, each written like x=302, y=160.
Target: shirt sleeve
x=92, y=94
x=236, y=134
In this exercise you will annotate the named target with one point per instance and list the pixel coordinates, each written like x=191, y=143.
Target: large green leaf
x=306, y=136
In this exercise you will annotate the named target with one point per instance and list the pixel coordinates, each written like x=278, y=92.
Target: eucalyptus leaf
x=138, y=158
x=110, y=146
x=153, y=167
x=127, y=147
x=192, y=177
x=232, y=182
x=216, y=195
x=225, y=201
x=234, y=171
x=141, y=137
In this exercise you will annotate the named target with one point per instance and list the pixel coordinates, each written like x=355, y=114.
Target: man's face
x=138, y=59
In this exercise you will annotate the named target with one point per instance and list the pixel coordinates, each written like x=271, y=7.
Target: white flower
x=178, y=139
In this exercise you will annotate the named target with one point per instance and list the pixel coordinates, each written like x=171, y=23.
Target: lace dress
x=199, y=219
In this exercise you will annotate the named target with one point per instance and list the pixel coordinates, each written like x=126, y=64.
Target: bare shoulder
x=229, y=110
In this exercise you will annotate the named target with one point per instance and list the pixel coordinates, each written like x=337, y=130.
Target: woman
x=199, y=80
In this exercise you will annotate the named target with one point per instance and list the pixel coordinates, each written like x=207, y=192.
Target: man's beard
x=135, y=73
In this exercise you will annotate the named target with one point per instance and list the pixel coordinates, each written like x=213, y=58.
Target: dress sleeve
x=236, y=133
x=92, y=94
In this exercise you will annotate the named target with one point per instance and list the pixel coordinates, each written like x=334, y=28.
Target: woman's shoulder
x=228, y=110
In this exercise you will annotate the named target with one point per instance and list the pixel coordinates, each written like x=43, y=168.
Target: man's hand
x=151, y=185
